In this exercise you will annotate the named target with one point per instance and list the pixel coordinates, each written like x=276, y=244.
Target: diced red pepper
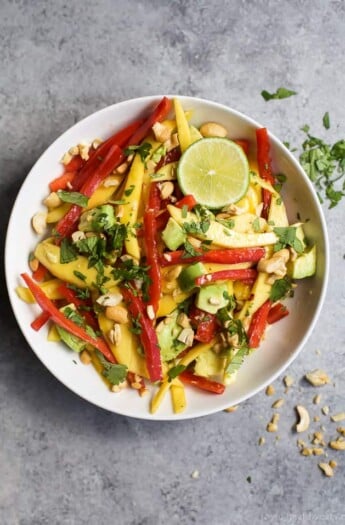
x=162, y=219
x=202, y=382
x=113, y=158
x=58, y=317
x=244, y=145
x=172, y=156
x=227, y=275
x=204, y=323
x=188, y=201
x=148, y=334
x=277, y=312
x=71, y=297
x=61, y=182
x=265, y=166
x=258, y=324
x=158, y=114
x=151, y=249
x=120, y=139
x=40, y=273
x=40, y=320
x=222, y=256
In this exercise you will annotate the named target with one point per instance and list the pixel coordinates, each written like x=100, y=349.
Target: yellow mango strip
x=260, y=293
x=50, y=288
x=222, y=236
x=195, y=352
x=53, y=335
x=277, y=215
x=147, y=177
x=178, y=396
x=242, y=291
x=159, y=396
x=49, y=255
x=255, y=179
x=171, y=123
x=169, y=302
x=167, y=172
x=132, y=195
x=55, y=214
x=183, y=130
x=99, y=368
x=126, y=349
x=104, y=193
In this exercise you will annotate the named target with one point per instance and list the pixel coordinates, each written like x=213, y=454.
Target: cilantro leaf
x=73, y=197
x=175, y=371
x=115, y=374
x=279, y=94
x=236, y=361
x=80, y=275
x=287, y=237
x=280, y=288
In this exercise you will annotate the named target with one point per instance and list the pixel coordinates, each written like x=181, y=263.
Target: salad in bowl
x=165, y=255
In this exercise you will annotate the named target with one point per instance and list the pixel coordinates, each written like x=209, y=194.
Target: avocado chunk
x=173, y=235
x=167, y=333
x=98, y=219
x=72, y=341
x=188, y=275
x=304, y=265
x=209, y=364
x=212, y=297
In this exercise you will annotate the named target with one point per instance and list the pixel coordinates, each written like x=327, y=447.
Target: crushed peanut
x=341, y=430
x=279, y=403
x=333, y=463
x=338, y=444
x=231, y=409
x=326, y=469
x=317, y=399
x=270, y=390
x=288, y=381
x=338, y=417
x=262, y=441
x=317, y=377
x=304, y=419
x=325, y=410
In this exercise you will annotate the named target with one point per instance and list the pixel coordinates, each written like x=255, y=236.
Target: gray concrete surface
x=63, y=461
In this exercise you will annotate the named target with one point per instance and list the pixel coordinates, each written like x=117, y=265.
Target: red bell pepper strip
x=188, y=201
x=277, y=312
x=151, y=249
x=244, y=145
x=204, y=323
x=265, y=167
x=120, y=139
x=40, y=273
x=172, y=156
x=61, y=182
x=148, y=334
x=58, y=317
x=75, y=164
x=71, y=297
x=201, y=382
x=154, y=200
x=40, y=320
x=258, y=324
x=158, y=114
x=227, y=275
x=222, y=256
x=113, y=158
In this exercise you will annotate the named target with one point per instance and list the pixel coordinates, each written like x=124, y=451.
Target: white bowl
x=284, y=340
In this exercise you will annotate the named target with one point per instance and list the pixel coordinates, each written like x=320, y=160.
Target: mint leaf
x=279, y=94
x=287, y=237
x=73, y=197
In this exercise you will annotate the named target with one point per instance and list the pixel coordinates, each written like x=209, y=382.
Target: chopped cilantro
x=280, y=288
x=68, y=252
x=279, y=94
x=189, y=250
x=184, y=211
x=256, y=225
x=136, y=326
x=73, y=197
x=287, y=237
x=326, y=121
x=158, y=153
x=175, y=371
x=80, y=275
x=115, y=374
x=236, y=361
x=143, y=151
x=81, y=293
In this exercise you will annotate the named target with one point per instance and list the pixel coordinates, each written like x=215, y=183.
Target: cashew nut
x=109, y=299
x=161, y=132
x=276, y=264
x=317, y=377
x=117, y=313
x=304, y=419
x=212, y=129
x=166, y=189
x=39, y=222
x=52, y=201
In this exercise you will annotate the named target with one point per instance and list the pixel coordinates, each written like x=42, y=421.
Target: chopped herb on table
x=279, y=94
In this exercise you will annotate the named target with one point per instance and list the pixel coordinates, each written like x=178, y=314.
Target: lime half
x=215, y=171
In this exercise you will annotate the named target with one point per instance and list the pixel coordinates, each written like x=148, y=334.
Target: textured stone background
x=63, y=461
